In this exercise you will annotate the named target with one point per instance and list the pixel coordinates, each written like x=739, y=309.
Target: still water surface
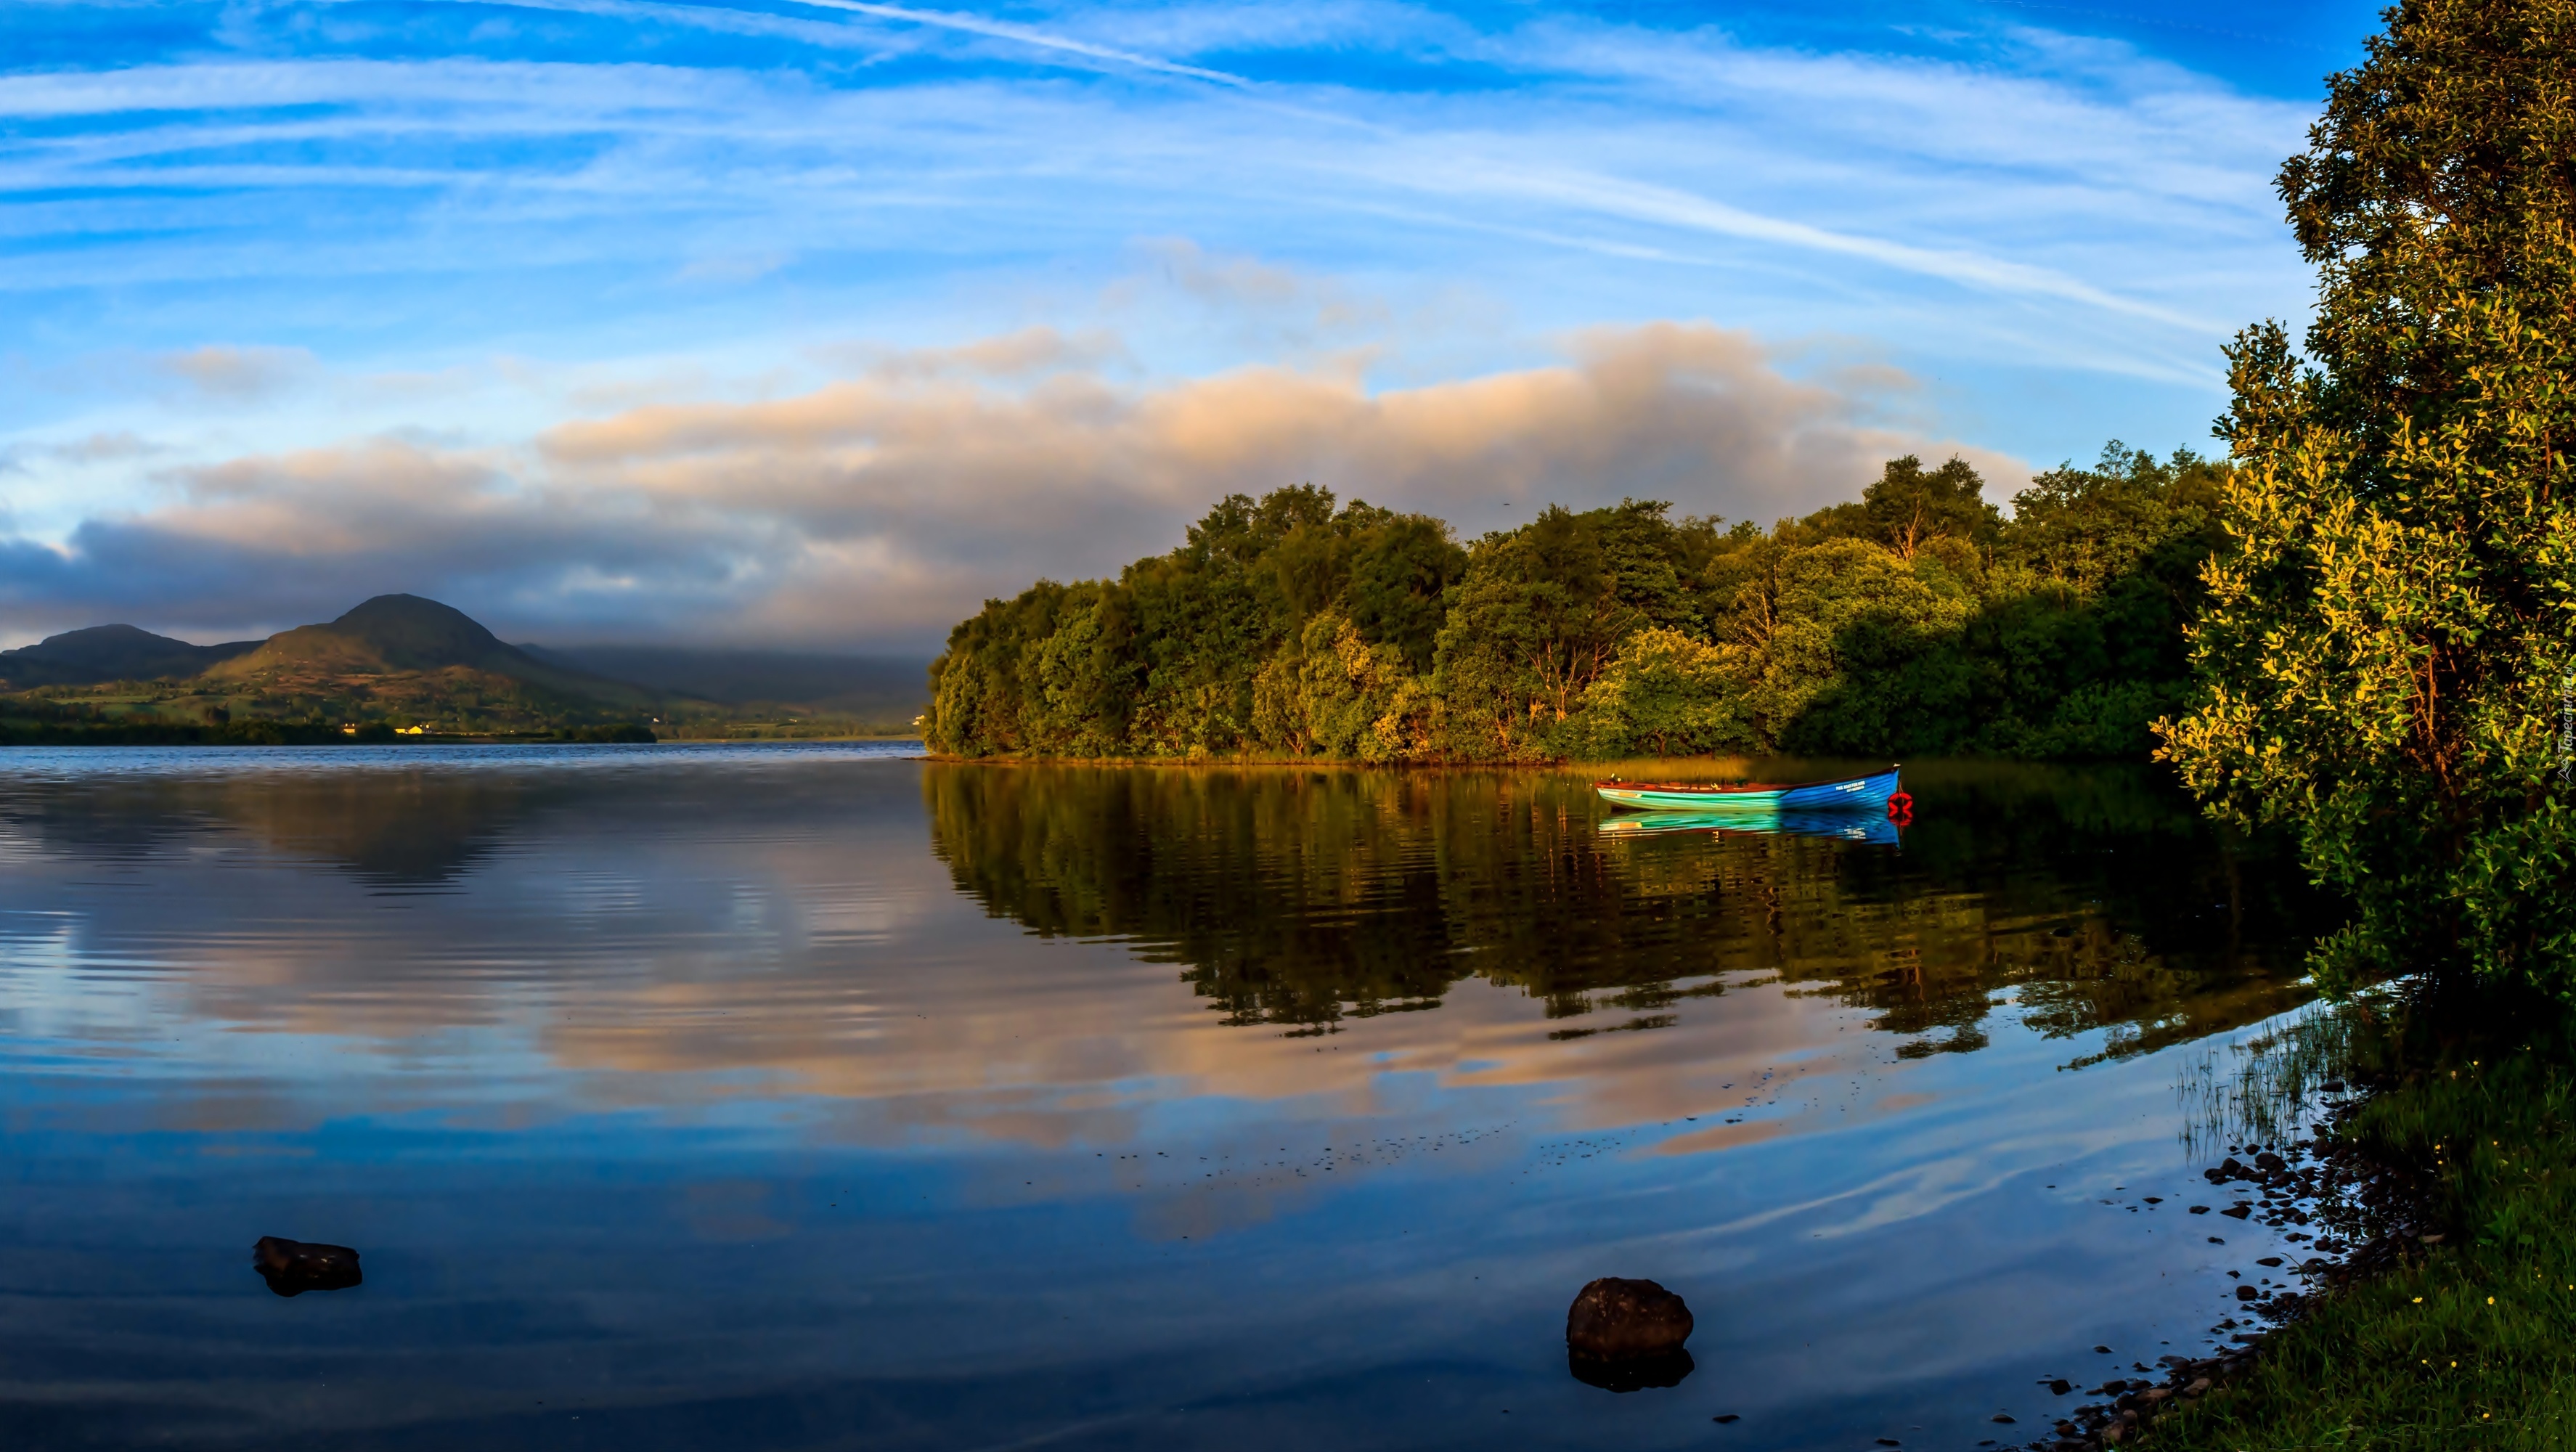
x=819, y=1097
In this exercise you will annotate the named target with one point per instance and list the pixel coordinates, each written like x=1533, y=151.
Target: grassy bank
x=180, y=733
x=2470, y=1341
x=826, y=729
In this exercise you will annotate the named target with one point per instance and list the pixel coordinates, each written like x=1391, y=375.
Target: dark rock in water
x=1728, y=1417
x=292, y=1267
x=2061, y=1387
x=1613, y=1319
x=1631, y=1373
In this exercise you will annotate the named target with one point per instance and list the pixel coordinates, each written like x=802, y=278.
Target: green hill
x=104, y=653
x=394, y=635
x=400, y=662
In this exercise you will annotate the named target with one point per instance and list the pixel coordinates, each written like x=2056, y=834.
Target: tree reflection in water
x=1303, y=897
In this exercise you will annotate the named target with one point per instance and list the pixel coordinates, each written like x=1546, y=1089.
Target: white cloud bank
x=880, y=507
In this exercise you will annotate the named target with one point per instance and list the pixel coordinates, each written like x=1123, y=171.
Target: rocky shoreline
x=2368, y=1215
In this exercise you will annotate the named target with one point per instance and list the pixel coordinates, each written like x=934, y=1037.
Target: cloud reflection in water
x=779, y=1098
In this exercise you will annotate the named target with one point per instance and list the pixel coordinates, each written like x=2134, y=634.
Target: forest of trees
x=1918, y=620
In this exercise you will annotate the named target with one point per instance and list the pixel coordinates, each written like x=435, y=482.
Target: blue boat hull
x=1853, y=794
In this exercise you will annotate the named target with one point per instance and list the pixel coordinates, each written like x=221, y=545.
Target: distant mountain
x=393, y=634
x=110, y=653
x=404, y=659
x=874, y=688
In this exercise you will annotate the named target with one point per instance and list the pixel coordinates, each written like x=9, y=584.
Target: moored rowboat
x=1858, y=793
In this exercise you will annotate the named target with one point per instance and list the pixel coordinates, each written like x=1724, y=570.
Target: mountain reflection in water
x=811, y=1097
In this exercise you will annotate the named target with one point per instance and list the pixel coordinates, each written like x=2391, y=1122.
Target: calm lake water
x=820, y=1097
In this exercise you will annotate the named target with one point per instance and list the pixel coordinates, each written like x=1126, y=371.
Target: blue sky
x=814, y=323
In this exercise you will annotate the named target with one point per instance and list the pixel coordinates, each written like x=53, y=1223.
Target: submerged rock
x=1614, y=1319
x=292, y=1267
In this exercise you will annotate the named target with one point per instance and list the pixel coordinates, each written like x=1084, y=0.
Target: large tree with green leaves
x=1540, y=614
x=2387, y=643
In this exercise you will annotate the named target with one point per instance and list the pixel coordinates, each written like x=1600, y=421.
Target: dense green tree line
x=1917, y=619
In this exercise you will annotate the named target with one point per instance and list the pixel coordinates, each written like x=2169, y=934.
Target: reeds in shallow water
x=2279, y=1080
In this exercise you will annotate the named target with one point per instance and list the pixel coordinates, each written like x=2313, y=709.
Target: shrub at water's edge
x=2389, y=646
x=1917, y=620
x=2466, y=1341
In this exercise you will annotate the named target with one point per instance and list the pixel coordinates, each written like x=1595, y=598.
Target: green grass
x=2473, y=1346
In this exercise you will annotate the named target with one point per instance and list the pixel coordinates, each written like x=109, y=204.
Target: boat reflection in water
x=1844, y=826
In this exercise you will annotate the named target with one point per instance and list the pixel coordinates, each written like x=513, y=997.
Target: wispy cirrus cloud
x=1032, y=36
x=1616, y=140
